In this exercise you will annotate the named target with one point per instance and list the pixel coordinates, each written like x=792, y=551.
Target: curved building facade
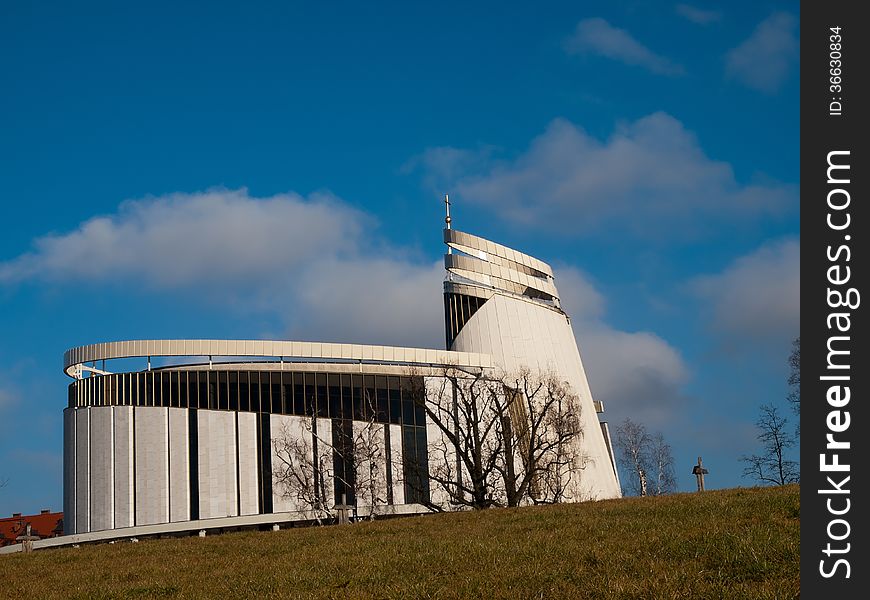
x=504, y=304
x=207, y=436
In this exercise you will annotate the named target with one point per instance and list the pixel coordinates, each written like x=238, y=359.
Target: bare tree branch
x=634, y=445
x=300, y=473
x=662, y=463
x=503, y=440
x=772, y=466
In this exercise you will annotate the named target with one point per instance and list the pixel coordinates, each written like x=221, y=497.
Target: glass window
x=147, y=396
x=395, y=407
x=183, y=389
x=138, y=386
x=234, y=390
x=155, y=388
x=423, y=463
x=346, y=396
x=407, y=411
x=277, y=393
x=383, y=405
x=310, y=396
x=272, y=379
x=266, y=391
x=334, y=391
x=419, y=414
x=409, y=464
x=357, y=394
x=362, y=409
x=287, y=393
x=223, y=391
x=299, y=404
x=254, y=377
x=166, y=389
x=415, y=464
x=209, y=400
x=322, y=403
x=175, y=389
x=342, y=461
x=192, y=389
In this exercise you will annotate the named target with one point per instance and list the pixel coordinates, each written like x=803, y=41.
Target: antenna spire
x=447, y=219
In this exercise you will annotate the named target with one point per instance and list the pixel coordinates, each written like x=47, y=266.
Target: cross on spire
x=447, y=205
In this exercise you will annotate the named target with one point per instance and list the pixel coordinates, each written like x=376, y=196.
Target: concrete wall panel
x=124, y=495
x=102, y=486
x=371, y=443
x=69, y=470
x=525, y=334
x=249, y=503
x=324, y=453
x=218, y=495
x=287, y=428
x=83, y=479
x=179, y=466
x=397, y=473
x=152, y=465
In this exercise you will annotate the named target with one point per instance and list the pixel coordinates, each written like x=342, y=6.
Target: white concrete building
x=201, y=440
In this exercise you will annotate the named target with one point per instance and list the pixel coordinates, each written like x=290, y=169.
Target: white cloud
x=636, y=374
x=597, y=36
x=316, y=263
x=579, y=296
x=373, y=300
x=651, y=177
x=216, y=236
x=764, y=60
x=320, y=267
x=697, y=15
x=756, y=299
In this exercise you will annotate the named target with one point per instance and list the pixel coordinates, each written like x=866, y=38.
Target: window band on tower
x=458, y=309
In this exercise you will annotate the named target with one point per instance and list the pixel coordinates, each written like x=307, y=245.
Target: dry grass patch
x=731, y=544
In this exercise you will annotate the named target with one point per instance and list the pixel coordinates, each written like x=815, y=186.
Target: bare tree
x=772, y=466
x=647, y=458
x=633, y=442
x=496, y=441
x=467, y=408
x=303, y=468
x=661, y=460
x=366, y=456
x=502, y=440
x=541, y=427
x=306, y=464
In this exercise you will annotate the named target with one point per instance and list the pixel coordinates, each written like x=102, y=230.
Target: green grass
x=732, y=544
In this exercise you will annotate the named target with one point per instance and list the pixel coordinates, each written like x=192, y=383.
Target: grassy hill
x=733, y=544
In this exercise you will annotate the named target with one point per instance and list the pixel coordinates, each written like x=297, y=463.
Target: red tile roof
x=46, y=524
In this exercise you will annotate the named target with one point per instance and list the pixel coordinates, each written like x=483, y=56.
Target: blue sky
x=178, y=169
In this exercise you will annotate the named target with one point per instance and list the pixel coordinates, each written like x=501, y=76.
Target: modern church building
x=204, y=439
